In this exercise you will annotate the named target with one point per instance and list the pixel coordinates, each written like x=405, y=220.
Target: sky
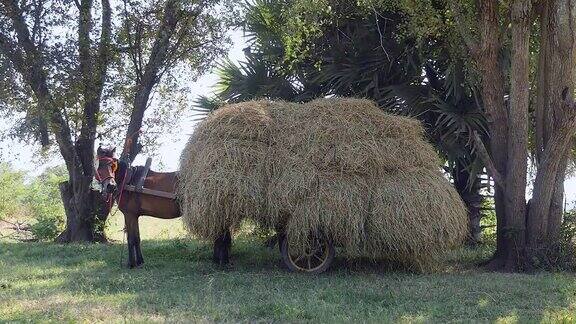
x=25, y=158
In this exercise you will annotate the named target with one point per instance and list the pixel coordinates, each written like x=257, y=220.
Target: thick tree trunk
x=84, y=220
x=515, y=191
x=78, y=228
x=554, y=118
x=493, y=90
x=546, y=183
x=544, y=120
x=84, y=217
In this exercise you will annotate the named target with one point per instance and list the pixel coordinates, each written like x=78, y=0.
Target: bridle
x=114, y=166
x=113, y=163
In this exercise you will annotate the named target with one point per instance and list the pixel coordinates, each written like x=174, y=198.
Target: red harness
x=114, y=166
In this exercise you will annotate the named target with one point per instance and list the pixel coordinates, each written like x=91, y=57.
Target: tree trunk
x=556, y=118
x=516, y=170
x=78, y=228
x=557, y=204
x=469, y=190
x=28, y=59
x=493, y=89
x=84, y=215
x=86, y=211
x=520, y=231
x=546, y=183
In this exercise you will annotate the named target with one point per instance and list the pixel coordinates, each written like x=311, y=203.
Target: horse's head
x=106, y=167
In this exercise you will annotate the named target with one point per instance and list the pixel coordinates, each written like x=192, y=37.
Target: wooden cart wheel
x=316, y=259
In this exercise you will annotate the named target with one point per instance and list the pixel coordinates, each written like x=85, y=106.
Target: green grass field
x=85, y=283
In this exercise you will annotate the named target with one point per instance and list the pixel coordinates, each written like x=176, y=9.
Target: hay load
x=368, y=180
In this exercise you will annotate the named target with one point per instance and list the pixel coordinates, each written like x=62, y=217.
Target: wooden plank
x=142, y=178
x=146, y=191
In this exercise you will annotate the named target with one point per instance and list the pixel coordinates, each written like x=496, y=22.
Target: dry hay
x=366, y=179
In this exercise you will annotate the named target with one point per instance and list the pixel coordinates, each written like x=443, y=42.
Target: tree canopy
x=74, y=71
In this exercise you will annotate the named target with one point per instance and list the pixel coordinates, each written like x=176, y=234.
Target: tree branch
x=94, y=71
x=103, y=58
x=132, y=48
x=487, y=160
x=157, y=58
x=467, y=37
x=31, y=67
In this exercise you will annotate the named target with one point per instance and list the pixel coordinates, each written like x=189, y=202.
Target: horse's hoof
x=224, y=263
x=220, y=263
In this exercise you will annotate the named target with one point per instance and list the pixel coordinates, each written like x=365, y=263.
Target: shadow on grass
x=45, y=281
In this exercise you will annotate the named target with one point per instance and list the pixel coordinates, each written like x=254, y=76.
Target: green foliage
x=255, y=78
x=488, y=222
x=13, y=188
x=200, y=36
x=36, y=202
x=560, y=254
x=44, y=204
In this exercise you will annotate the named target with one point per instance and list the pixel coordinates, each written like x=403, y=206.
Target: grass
x=85, y=283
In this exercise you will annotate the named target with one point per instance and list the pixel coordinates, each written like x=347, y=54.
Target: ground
x=45, y=281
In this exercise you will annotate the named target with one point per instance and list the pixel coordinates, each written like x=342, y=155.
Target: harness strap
x=122, y=187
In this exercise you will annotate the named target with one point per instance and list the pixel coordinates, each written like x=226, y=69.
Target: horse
x=115, y=176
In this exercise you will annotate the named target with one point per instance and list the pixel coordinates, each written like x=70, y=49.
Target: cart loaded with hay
x=325, y=174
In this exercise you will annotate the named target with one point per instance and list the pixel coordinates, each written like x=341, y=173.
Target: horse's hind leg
x=227, y=242
x=222, y=245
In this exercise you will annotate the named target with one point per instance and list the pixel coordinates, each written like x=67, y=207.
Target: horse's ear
x=99, y=150
x=113, y=151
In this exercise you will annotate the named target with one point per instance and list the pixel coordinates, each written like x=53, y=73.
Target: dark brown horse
x=115, y=176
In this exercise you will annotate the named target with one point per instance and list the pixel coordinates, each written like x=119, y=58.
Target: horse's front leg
x=139, y=258
x=222, y=245
x=131, y=222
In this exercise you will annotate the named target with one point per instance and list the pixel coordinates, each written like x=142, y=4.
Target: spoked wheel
x=316, y=259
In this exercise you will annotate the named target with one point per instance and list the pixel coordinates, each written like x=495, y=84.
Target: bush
x=559, y=255
x=36, y=201
x=488, y=222
x=43, y=201
x=13, y=189
x=47, y=227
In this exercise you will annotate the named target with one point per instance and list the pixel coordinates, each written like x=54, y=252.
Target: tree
x=526, y=229
x=28, y=49
x=62, y=80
